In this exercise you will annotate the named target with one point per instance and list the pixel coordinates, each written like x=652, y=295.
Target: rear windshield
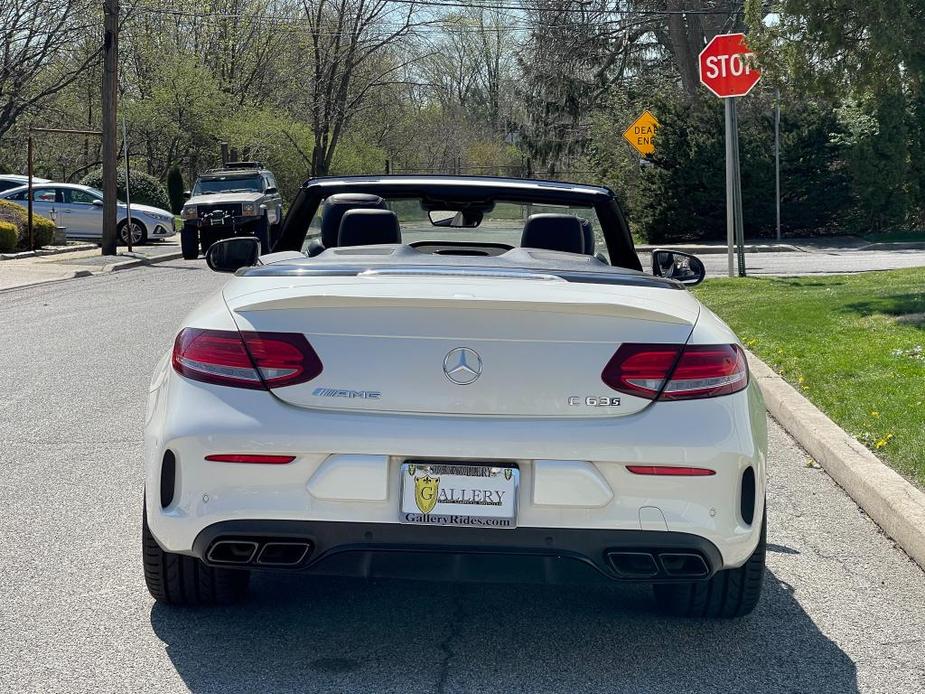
x=504, y=223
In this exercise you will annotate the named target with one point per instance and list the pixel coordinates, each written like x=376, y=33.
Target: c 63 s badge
x=593, y=401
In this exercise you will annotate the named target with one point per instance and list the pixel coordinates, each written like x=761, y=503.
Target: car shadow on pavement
x=307, y=634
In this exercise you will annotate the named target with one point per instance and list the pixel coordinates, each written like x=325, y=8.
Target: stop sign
x=726, y=67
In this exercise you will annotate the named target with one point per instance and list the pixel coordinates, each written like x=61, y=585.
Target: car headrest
x=587, y=234
x=335, y=207
x=368, y=227
x=553, y=232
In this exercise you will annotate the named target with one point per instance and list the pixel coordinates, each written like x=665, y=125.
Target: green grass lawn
x=853, y=344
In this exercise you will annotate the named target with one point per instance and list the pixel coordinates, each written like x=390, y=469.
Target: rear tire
x=729, y=593
x=189, y=243
x=176, y=579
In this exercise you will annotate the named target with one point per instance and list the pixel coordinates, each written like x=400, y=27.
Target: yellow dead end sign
x=641, y=133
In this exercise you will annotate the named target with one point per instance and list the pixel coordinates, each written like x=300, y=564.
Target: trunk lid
x=462, y=345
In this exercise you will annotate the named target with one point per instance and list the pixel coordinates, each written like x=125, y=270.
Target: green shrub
x=13, y=213
x=146, y=190
x=9, y=235
x=43, y=229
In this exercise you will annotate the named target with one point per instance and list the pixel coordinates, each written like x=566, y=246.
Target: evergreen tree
x=175, y=189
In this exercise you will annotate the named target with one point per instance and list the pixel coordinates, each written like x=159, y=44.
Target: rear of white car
x=448, y=426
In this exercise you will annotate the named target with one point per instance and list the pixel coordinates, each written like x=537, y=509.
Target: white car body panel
x=391, y=334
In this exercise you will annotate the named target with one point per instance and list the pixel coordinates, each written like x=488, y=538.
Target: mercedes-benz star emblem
x=462, y=366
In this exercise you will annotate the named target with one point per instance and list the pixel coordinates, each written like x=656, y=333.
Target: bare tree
x=353, y=49
x=684, y=34
x=40, y=52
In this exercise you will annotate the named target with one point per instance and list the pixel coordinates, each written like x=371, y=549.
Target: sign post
x=726, y=69
x=641, y=133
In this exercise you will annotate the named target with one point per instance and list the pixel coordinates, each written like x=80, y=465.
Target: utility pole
x=110, y=101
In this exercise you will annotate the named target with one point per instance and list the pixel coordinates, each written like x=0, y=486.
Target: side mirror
x=97, y=203
x=271, y=191
x=187, y=194
x=230, y=255
x=683, y=267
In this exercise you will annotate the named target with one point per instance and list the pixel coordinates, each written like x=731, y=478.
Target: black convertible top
x=405, y=260
x=456, y=190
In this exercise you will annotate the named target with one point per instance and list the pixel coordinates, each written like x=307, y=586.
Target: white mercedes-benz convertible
x=456, y=378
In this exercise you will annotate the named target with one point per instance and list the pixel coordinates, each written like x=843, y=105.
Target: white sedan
x=79, y=209
x=456, y=378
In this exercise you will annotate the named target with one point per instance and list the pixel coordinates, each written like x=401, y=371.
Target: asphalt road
x=817, y=262
x=843, y=610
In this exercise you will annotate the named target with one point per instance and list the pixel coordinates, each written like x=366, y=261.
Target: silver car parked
x=80, y=210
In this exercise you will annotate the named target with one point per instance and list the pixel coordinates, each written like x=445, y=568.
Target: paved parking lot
x=843, y=609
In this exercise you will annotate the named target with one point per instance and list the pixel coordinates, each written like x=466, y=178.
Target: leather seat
x=333, y=212
x=553, y=232
x=364, y=227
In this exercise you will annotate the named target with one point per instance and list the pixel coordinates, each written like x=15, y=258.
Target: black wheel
x=139, y=233
x=729, y=593
x=206, y=239
x=177, y=579
x=189, y=243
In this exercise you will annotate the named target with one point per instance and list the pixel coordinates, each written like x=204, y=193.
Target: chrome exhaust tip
x=232, y=552
x=283, y=553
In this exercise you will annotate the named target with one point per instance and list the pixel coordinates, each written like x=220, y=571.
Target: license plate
x=483, y=496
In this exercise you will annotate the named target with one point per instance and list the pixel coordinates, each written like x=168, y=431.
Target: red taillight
x=245, y=359
x=673, y=372
x=250, y=458
x=670, y=470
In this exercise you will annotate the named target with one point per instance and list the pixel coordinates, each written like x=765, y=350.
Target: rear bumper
x=573, y=475
x=391, y=550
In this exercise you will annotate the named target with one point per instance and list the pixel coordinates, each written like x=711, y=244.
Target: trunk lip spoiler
x=500, y=273
x=281, y=269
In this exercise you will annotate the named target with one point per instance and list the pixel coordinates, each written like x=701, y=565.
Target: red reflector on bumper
x=670, y=470
x=249, y=458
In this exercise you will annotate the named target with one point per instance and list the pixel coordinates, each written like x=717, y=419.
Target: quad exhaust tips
x=259, y=553
x=642, y=565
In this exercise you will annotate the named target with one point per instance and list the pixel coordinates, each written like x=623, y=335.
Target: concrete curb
x=58, y=250
x=894, y=246
x=894, y=504
x=137, y=262
x=48, y=250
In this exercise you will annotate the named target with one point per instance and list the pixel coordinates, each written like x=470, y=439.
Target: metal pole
x=110, y=88
x=737, y=197
x=730, y=188
x=29, y=149
x=128, y=194
x=777, y=159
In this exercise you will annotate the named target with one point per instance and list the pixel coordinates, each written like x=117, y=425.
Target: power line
x=437, y=25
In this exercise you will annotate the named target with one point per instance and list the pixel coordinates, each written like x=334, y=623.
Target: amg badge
x=342, y=393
